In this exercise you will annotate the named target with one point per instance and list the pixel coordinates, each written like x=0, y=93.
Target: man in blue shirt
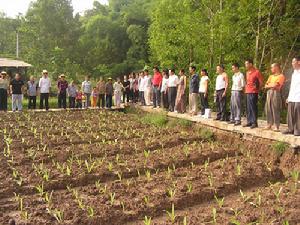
x=194, y=89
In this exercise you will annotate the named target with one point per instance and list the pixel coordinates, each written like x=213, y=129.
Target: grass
x=53, y=103
x=280, y=147
x=206, y=134
x=156, y=119
x=180, y=122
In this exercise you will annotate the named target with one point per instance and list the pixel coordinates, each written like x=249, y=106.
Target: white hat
x=45, y=71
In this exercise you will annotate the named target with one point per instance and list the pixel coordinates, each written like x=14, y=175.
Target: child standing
x=79, y=96
x=118, y=87
x=94, y=97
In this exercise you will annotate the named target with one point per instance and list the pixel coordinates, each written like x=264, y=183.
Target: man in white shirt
x=238, y=84
x=293, y=101
x=44, y=89
x=141, y=84
x=87, y=90
x=221, y=89
x=172, y=89
x=147, y=88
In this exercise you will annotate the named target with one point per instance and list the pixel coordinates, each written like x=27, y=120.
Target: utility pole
x=17, y=46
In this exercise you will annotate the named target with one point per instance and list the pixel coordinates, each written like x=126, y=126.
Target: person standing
x=238, y=84
x=180, y=98
x=221, y=89
x=203, y=91
x=101, y=90
x=193, y=92
x=109, y=90
x=4, y=91
x=142, y=88
x=164, y=89
x=156, y=83
x=126, y=89
x=62, y=86
x=273, y=104
x=172, y=89
x=87, y=90
x=136, y=88
x=17, y=89
x=147, y=88
x=32, y=92
x=293, y=101
x=118, y=88
x=72, y=93
x=44, y=90
x=254, y=81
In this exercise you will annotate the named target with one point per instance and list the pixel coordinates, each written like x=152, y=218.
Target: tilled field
x=100, y=167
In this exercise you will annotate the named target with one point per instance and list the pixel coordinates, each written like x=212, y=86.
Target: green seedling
x=147, y=220
x=171, y=214
x=220, y=201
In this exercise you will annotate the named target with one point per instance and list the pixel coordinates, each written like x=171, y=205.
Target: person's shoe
x=253, y=126
x=267, y=128
x=247, y=125
x=231, y=122
x=287, y=132
x=223, y=120
x=276, y=129
x=237, y=124
x=217, y=119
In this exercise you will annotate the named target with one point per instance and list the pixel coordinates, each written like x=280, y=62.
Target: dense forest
x=127, y=35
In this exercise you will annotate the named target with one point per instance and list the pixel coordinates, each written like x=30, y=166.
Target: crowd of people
x=167, y=90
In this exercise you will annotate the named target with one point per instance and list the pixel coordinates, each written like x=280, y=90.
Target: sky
x=13, y=7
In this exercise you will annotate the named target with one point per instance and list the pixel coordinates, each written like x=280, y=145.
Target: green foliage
x=206, y=134
x=156, y=119
x=280, y=147
x=180, y=122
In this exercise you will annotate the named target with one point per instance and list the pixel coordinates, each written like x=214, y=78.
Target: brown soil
x=139, y=170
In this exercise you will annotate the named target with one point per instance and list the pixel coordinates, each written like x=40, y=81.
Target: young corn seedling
x=171, y=214
x=147, y=220
x=58, y=215
x=189, y=187
x=214, y=216
x=277, y=193
x=89, y=166
x=112, y=198
x=210, y=180
x=244, y=196
x=295, y=177
x=110, y=166
x=171, y=193
x=90, y=212
x=148, y=175
x=123, y=206
x=206, y=164
x=220, y=201
x=238, y=169
x=146, y=199
x=119, y=174
x=40, y=189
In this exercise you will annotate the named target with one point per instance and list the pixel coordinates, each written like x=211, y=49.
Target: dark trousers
x=252, y=109
x=3, y=99
x=79, y=104
x=101, y=100
x=156, y=96
x=108, y=99
x=135, y=96
x=32, y=102
x=126, y=94
x=165, y=99
x=203, y=103
x=142, y=97
x=44, y=98
x=71, y=102
x=221, y=105
x=172, y=92
x=62, y=100
x=293, y=117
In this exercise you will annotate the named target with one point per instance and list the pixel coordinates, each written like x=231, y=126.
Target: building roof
x=4, y=62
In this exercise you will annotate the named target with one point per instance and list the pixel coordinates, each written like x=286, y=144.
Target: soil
x=101, y=167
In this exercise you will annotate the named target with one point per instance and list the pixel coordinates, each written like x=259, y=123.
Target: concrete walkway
x=246, y=132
